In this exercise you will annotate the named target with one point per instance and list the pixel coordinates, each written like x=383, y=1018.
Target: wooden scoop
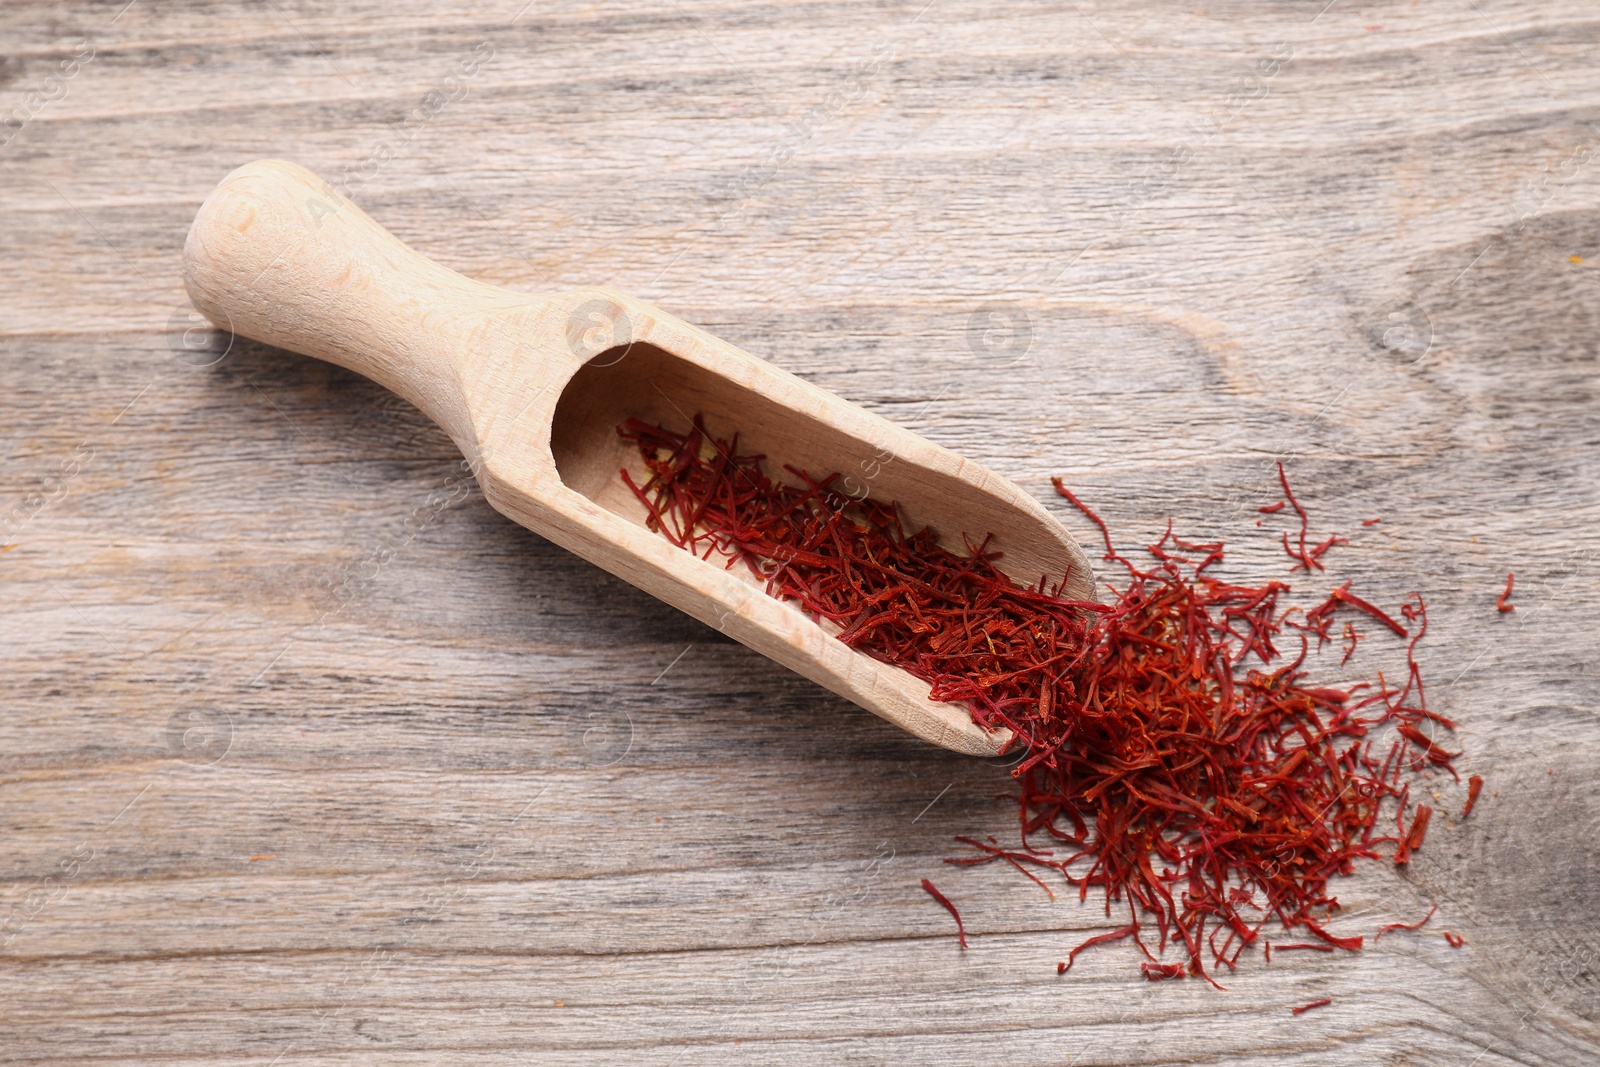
x=533, y=387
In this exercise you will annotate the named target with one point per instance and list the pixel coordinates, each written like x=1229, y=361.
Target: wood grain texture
x=307, y=756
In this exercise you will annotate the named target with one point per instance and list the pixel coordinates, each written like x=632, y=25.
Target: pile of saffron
x=1171, y=757
x=952, y=619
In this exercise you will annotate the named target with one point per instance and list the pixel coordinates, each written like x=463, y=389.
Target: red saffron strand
x=1504, y=603
x=1343, y=593
x=1131, y=930
x=1413, y=838
x=1419, y=924
x=1111, y=553
x=1455, y=940
x=961, y=930
x=1302, y=558
x=1370, y=522
x=1351, y=636
x=1474, y=787
x=1302, y=1009
x=1333, y=539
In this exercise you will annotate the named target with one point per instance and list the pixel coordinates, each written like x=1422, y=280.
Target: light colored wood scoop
x=533, y=387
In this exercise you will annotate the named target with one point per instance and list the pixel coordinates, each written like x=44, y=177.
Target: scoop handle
x=278, y=255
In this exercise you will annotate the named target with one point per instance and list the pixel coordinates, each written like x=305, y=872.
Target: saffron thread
x=961, y=930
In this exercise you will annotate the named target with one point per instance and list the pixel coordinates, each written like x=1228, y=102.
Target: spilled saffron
x=1302, y=1009
x=1174, y=759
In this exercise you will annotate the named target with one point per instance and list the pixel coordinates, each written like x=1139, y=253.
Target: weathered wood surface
x=307, y=756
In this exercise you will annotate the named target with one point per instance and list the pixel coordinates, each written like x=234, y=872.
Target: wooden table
x=309, y=757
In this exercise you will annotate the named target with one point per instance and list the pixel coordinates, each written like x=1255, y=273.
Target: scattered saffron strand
x=1302, y=558
x=1474, y=787
x=1342, y=593
x=1370, y=522
x=1351, y=636
x=1307, y=947
x=1432, y=751
x=1419, y=924
x=1456, y=940
x=1132, y=929
x=1413, y=838
x=1504, y=603
x=1155, y=972
x=1307, y=558
x=1111, y=553
x=961, y=931
x=1302, y=1009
